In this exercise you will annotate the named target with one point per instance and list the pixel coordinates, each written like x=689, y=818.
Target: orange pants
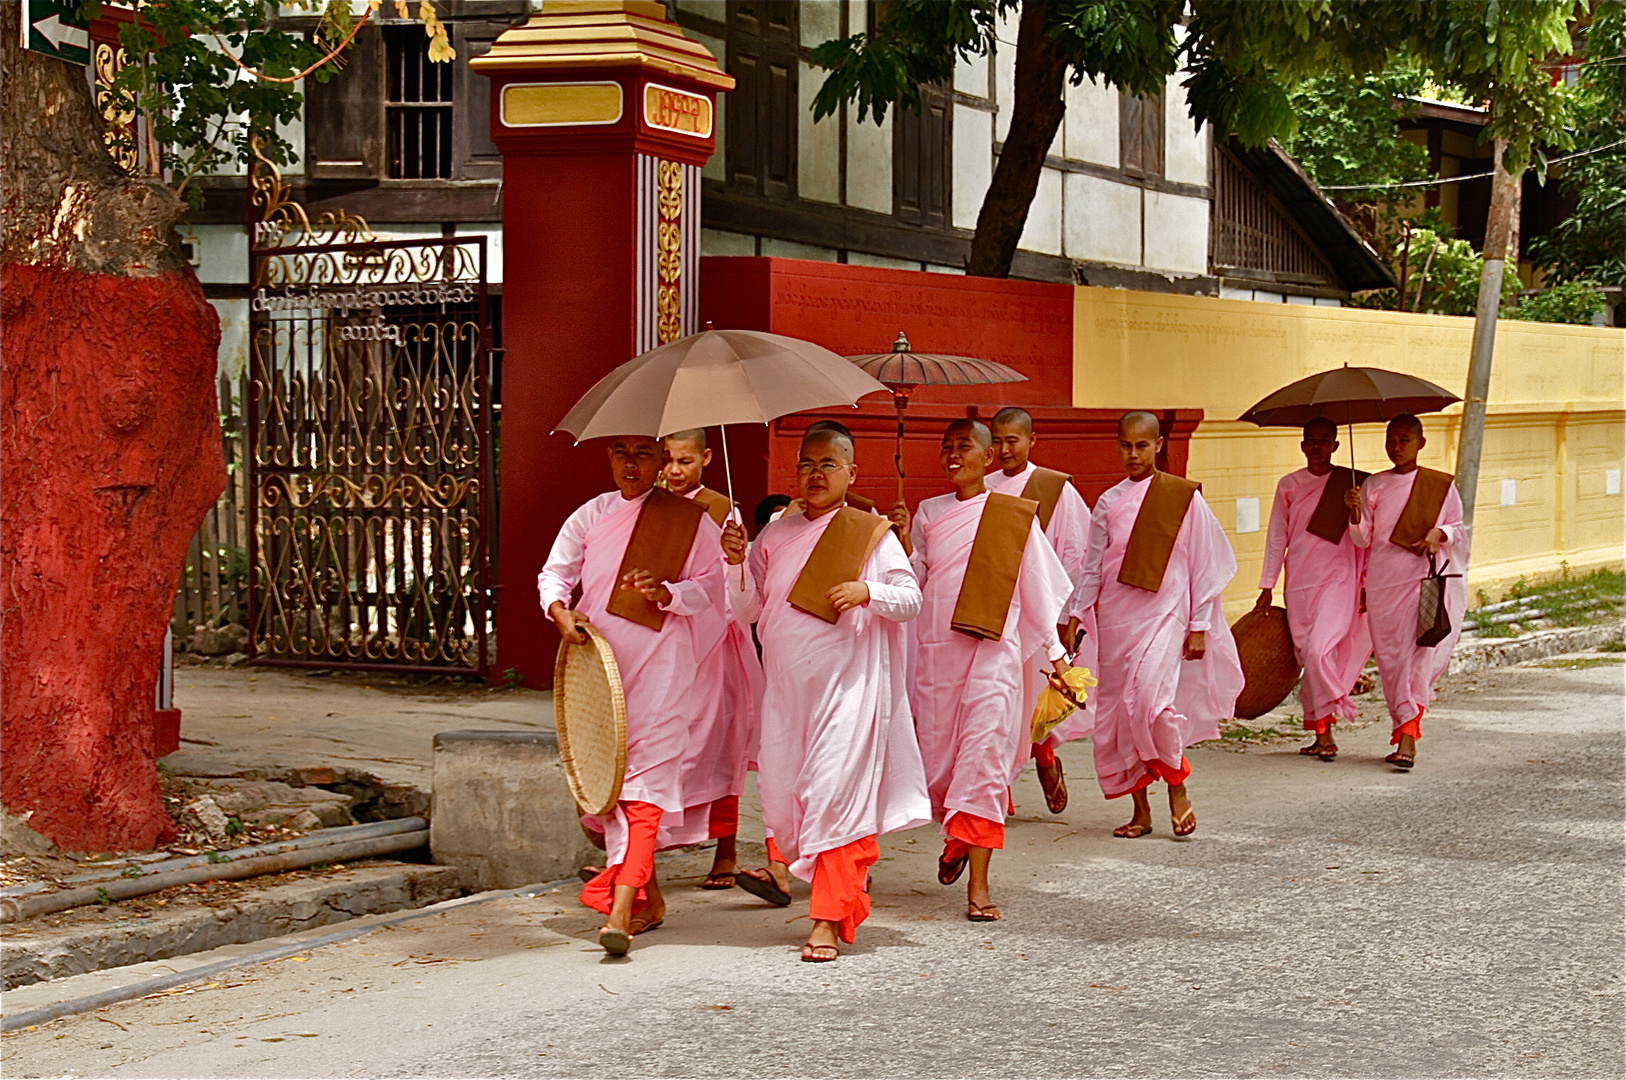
x=840, y=883
x=643, y=819
x=966, y=831
x=1044, y=754
x=1412, y=727
x=725, y=817
x=1155, y=771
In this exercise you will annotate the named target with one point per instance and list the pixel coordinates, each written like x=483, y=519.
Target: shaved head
x=839, y=441
x=1321, y=425
x=975, y=428
x=1015, y=417
x=1406, y=422
x=697, y=436
x=1139, y=420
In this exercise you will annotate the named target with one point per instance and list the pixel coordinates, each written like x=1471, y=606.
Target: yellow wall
x=1556, y=421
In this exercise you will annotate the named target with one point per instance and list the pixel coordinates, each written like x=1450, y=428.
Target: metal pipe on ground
x=14, y=908
x=325, y=837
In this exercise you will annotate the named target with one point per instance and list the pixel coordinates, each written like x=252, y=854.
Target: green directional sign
x=55, y=28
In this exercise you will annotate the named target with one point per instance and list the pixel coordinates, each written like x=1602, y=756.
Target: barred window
x=418, y=107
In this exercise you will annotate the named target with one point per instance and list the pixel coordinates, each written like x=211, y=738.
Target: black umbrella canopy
x=1349, y=395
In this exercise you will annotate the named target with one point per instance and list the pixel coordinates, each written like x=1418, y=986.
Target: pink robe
x=1394, y=578
x=1322, y=596
x=968, y=692
x=657, y=667
x=1151, y=703
x=1069, y=535
x=723, y=729
x=838, y=760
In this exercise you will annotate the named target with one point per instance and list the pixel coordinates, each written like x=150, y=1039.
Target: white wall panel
x=973, y=163
x=1185, y=151
x=818, y=147
x=1091, y=124
x=869, y=163
x=1042, y=231
x=1102, y=220
x=1176, y=236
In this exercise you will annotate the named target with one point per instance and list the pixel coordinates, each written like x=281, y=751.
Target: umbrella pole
x=897, y=457
x=728, y=478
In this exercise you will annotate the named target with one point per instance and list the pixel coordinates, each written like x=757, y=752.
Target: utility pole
x=1501, y=232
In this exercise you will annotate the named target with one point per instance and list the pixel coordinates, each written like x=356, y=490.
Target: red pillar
x=605, y=112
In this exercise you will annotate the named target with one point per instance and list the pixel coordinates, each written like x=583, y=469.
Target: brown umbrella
x=903, y=369
x=716, y=377
x=1349, y=396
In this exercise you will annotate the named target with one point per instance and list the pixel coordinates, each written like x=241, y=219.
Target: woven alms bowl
x=1264, y=643
x=590, y=715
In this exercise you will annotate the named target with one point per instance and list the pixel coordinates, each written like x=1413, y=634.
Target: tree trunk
x=1035, y=117
x=109, y=457
x=1501, y=231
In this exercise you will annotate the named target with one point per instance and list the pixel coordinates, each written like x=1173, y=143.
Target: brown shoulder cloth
x=659, y=543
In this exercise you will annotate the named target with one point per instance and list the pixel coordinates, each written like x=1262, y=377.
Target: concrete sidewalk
x=242, y=718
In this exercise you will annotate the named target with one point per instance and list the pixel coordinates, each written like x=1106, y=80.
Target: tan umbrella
x=716, y=377
x=903, y=370
x=1350, y=396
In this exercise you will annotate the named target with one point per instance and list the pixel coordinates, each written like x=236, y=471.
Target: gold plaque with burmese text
x=572, y=104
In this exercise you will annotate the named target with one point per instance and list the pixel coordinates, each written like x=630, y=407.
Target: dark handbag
x=1433, y=620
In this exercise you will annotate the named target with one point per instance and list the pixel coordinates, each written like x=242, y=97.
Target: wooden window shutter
x=344, y=117
x=1140, y=135
x=474, y=155
x=921, y=160
x=762, y=117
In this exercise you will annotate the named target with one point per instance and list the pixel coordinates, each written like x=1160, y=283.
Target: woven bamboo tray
x=590, y=715
x=1264, y=644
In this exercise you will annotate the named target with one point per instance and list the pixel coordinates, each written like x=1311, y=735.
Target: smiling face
x=684, y=460
x=1138, y=446
x=966, y=454
x=824, y=471
x=635, y=461
x=1012, y=445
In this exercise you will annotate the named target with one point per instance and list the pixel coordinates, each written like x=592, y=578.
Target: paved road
x=1333, y=919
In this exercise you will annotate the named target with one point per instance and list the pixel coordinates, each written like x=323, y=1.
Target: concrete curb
x=50, y=953
x=1494, y=652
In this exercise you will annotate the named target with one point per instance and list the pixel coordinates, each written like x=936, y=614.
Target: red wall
x=858, y=309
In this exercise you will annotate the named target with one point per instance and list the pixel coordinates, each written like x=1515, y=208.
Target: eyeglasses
x=828, y=468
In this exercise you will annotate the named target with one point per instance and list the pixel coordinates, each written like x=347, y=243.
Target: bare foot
x=1181, y=815
x=822, y=943
x=1141, y=823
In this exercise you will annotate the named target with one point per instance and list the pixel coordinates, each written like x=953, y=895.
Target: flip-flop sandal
x=1132, y=832
x=760, y=884
x=1313, y=750
x=949, y=870
x=719, y=881
x=1186, y=824
x=1053, y=782
x=614, y=942
x=1328, y=752
x=983, y=913
x=588, y=873
x=641, y=927
x=1403, y=762
x=816, y=954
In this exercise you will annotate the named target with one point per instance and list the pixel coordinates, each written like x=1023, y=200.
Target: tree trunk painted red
x=111, y=455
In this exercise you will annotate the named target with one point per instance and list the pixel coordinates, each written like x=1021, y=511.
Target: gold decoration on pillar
x=669, y=253
x=116, y=106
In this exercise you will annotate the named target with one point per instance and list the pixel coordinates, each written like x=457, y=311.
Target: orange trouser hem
x=774, y=854
x=1044, y=754
x=1321, y=726
x=841, y=885
x=1155, y=771
x=643, y=819
x=1412, y=727
x=725, y=817
x=966, y=831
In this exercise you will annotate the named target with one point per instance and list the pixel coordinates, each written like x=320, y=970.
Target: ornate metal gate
x=369, y=427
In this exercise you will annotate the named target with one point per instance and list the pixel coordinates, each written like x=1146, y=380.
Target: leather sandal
x=983, y=912
x=761, y=884
x=615, y=942
x=819, y=954
x=949, y=870
x=1185, y=824
x=1403, y=762
x=1132, y=831
x=1328, y=752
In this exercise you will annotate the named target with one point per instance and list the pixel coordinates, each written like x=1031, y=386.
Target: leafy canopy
x=1243, y=58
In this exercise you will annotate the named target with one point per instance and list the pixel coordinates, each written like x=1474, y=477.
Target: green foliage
x=1442, y=277
x=1245, y=58
x=1591, y=243
x=1569, y=601
x=1572, y=302
x=103, y=897
x=1346, y=131
x=130, y=872
x=234, y=825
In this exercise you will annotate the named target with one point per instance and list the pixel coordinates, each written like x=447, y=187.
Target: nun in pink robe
x=968, y=692
x=1069, y=536
x=1322, y=596
x=657, y=667
x=722, y=735
x=1150, y=703
x=838, y=764
x=1394, y=578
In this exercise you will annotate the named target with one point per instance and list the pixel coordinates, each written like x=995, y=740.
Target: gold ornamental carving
x=669, y=253
x=117, y=107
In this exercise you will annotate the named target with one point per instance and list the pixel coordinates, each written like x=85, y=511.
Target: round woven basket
x=590, y=716
x=1264, y=643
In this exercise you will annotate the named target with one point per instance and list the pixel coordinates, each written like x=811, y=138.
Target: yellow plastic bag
x=1053, y=706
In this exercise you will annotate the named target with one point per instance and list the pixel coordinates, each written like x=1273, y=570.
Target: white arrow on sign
x=58, y=35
